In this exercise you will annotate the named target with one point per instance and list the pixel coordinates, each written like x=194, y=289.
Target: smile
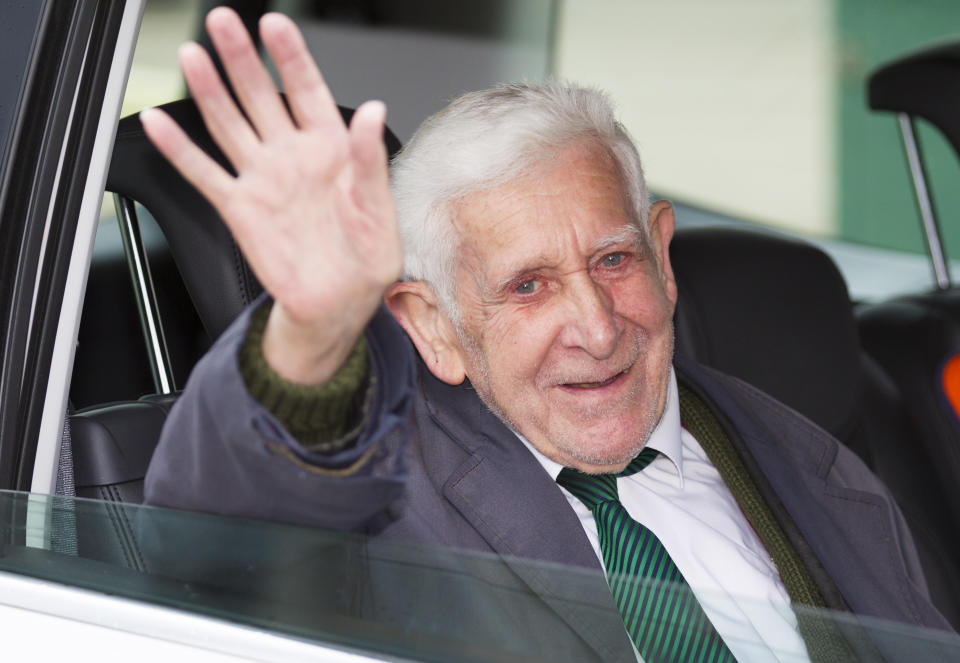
x=595, y=385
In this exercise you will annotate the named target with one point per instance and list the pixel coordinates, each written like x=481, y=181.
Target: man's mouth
x=594, y=385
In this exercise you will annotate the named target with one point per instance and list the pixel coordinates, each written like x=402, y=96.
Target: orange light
x=951, y=382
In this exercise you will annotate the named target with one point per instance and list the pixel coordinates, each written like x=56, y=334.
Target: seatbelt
x=63, y=519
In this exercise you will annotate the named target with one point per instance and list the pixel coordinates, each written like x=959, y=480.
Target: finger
x=371, y=175
x=221, y=116
x=310, y=99
x=246, y=72
x=205, y=174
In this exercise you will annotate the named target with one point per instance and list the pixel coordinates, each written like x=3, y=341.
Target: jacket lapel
x=511, y=501
x=846, y=535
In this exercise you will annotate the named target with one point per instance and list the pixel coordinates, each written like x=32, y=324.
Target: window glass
x=18, y=30
x=749, y=109
x=875, y=202
x=424, y=603
x=155, y=75
x=417, y=55
x=757, y=109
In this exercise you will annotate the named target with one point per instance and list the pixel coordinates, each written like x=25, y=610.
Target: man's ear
x=661, y=226
x=416, y=308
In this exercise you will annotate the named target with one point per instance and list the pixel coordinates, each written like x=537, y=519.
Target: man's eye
x=528, y=287
x=612, y=260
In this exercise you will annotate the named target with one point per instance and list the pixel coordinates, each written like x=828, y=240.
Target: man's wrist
x=323, y=417
x=307, y=354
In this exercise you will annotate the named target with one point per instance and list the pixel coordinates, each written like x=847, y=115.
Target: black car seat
x=916, y=338
x=917, y=341
x=775, y=312
x=112, y=443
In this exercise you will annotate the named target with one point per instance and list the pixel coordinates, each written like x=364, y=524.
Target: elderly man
x=544, y=417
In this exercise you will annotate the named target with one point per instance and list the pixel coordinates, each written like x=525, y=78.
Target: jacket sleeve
x=222, y=452
x=325, y=418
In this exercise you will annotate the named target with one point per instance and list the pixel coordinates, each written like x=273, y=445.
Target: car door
x=62, y=84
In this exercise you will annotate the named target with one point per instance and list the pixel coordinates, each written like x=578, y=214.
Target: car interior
x=768, y=308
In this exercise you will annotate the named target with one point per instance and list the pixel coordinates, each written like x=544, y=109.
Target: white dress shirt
x=681, y=498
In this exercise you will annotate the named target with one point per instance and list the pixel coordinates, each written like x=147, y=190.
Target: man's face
x=566, y=315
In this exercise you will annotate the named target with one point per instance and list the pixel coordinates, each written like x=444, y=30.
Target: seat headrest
x=773, y=311
x=925, y=83
x=215, y=274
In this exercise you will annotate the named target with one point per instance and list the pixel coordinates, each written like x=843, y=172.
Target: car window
x=389, y=598
x=758, y=110
x=763, y=122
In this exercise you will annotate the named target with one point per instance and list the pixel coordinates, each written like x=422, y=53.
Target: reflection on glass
x=397, y=599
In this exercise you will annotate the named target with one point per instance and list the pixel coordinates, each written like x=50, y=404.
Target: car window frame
x=65, y=124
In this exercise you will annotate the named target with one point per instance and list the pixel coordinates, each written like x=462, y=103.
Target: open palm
x=310, y=206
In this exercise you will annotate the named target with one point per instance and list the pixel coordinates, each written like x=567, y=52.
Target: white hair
x=483, y=140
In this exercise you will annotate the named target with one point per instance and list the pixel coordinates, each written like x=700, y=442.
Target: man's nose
x=591, y=323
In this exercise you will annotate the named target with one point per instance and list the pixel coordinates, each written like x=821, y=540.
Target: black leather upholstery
x=112, y=446
x=923, y=84
x=775, y=312
x=912, y=338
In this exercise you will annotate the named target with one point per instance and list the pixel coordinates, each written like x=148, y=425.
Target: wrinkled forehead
x=553, y=217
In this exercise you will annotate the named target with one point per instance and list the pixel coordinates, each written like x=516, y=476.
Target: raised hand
x=310, y=206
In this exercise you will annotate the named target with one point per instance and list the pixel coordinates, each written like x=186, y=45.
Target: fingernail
x=186, y=47
x=378, y=109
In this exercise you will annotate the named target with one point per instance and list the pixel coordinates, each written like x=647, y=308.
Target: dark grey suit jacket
x=434, y=466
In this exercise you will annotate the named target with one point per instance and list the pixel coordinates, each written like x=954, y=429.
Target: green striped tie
x=660, y=612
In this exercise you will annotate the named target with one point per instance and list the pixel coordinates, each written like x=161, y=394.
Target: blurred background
x=752, y=110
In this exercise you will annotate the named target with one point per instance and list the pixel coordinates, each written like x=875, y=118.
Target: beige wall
x=732, y=106
x=155, y=76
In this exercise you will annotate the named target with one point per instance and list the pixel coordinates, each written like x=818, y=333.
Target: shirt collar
x=665, y=437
